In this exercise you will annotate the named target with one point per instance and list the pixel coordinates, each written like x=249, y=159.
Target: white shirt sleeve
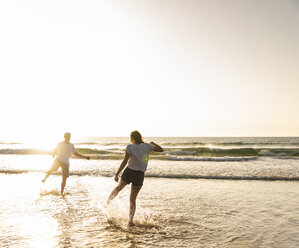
x=74, y=149
x=128, y=150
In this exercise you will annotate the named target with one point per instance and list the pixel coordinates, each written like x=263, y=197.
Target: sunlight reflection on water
x=170, y=213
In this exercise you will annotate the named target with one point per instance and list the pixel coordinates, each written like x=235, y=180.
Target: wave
x=170, y=176
x=178, y=154
x=9, y=143
x=24, y=151
x=261, y=178
x=15, y=171
x=214, y=159
x=239, y=152
x=221, y=144
x=100, y=143
x=202, y=152
x=178, y=143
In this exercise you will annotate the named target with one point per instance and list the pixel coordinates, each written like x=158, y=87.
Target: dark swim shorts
x=133, y=176
x=65, y=168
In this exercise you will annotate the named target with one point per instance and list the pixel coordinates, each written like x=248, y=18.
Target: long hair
x=135, y=135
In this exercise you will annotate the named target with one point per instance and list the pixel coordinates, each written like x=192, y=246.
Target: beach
x=187, y=200
x=210, y=86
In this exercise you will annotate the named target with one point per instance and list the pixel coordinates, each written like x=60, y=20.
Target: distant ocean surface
x=200, y=192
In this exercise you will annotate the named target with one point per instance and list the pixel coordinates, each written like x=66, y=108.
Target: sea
x=200, y=192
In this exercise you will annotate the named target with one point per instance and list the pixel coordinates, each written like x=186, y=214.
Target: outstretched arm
x=78, y=155
x=157, y=148
x=122, y=166
x=54, y=152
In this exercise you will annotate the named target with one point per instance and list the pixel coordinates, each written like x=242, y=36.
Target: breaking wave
x=170, y=176
x=178, y=154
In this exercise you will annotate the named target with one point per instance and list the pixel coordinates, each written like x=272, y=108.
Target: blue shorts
x=133, y=176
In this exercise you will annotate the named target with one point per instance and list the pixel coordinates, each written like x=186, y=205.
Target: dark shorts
x=133, y=176
x=65, y=168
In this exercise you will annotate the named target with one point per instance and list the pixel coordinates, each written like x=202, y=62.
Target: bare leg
x=53, y=168
x=48, y=174
x=63, y=184
x=134, y=192
x=117, y=189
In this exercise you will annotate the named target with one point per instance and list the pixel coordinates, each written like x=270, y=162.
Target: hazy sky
x=165, y=68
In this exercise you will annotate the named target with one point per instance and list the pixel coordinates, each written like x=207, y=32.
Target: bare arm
x=54, y=152
x=78, y=155
x=157, y=148
x=122, y=166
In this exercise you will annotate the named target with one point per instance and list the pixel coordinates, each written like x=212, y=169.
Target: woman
x=137, y=154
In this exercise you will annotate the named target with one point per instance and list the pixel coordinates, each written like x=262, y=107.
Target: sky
x=163, y=67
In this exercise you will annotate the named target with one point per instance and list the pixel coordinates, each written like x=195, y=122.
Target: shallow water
x=253, y=203
x=258, y=169
x=170, y=213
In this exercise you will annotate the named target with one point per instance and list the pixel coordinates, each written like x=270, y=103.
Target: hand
x=152, y=143
x=116, y=178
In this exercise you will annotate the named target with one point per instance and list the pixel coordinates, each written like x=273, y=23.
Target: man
x=63, y=151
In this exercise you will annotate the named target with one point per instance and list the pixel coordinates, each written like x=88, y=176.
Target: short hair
x=67, y=134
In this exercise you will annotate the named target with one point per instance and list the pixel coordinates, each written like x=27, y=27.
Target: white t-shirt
x=64, y=151
x=139, y=156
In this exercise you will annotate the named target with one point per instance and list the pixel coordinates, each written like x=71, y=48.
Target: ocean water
x=200, y=192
